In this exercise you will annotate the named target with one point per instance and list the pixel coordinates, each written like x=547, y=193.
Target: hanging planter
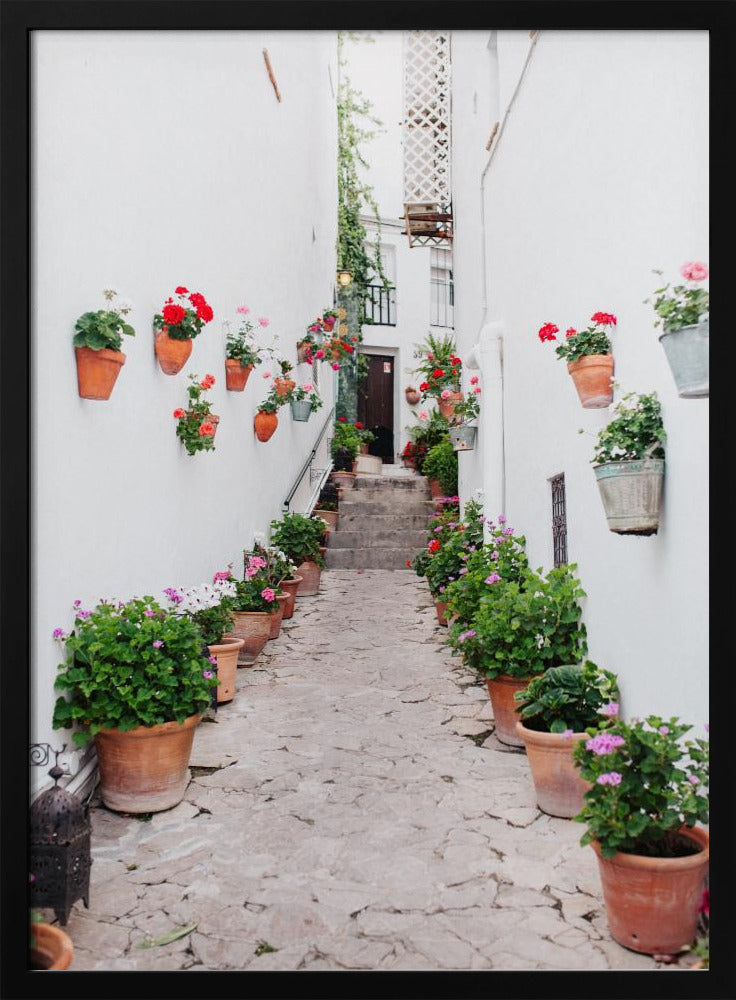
x=301, y=410
x=592, y=376
x=265, y=423
x=196, y=426
x=176, y=326
x=242, y=353
x=236, y=375
x=463, y=437
x=412, y=395
x=683, y=314
x=97, y=340
x=97, y=371
x=631, y=493
x=172, y=354
x=589, y=358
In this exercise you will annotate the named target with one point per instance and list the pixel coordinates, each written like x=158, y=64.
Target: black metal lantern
x=60, y=849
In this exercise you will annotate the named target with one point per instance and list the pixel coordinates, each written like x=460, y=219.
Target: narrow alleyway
x=350, y=809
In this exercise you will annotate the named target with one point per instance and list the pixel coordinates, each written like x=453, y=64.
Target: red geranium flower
x=571, y=331
x=408, y=563
x=173, y=314
x=180, y=414
x=358, y=425
x=207, y=382
x=206, y=429
x=181, y=290
x=433, y=545
x=424, y=386
x=604, y=319
x=342, y=419
x=437, y=373
x=548, y=331
x=205, y=313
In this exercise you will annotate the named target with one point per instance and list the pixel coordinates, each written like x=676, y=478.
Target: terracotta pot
x=344, y=479
x=441, y=608
x=652, y=903
x=501, y=691
x=226, y=653
x=254, y=628
x=277, y=616
x=303, y=350
x=435, y=489
x=290, y=588
x=412, y=396
x=265, y=424
x=236, y=375
x=328, y=516
x=172, y=354
x=310, y=573
x=51, y=948
x=284, y=386
x=447, y=406
x=557, y=781
x=408, y=463
x=364, y=449
x=147, y=768
x=592, y=376
x=97, y=371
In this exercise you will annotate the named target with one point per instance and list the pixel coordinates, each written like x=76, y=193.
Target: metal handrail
x=313, y=452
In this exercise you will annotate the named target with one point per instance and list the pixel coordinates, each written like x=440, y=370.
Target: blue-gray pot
x=301, y=409
x=687, y=353
x=632, y=494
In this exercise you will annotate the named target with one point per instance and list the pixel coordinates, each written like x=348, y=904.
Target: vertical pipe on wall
x=491, y=437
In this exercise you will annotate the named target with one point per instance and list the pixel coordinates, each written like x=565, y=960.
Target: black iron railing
x=307, y=465
x=380, y=305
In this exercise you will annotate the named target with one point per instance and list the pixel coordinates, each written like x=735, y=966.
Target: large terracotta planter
x=265, y=424
x=652, y=903
x=283, y=386
x=435, y=490
x=447, y=406
x=97, y=371
x=172, y=354
x=328, y=516
x=310, y=573
x=557, y=781
x=344, y=479
x=226, y=653
x=592, y=376
x=147, y=768
x=236, y=375
x=277, y=616
x=631, y=493
x=51, y=948
x=254, y=628
x=501, y=691
x=441, y=608
x=290, y=588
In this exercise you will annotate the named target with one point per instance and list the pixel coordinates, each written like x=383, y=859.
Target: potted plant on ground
x=210, y=607
x=648, y=792
x=196, y=426
x=556, y=709
x=441, y=469
x=51, y=948
x=684, y=315
x=278, y=569
x=242, y=353
x=138, y=682
x=176, y=326
x=366, y=437
x=629, y=465
x=462, y=435
x=97, y=342
x=304, y=401
x=441, y=371
x=431, y=428
x=327, y=504
x=299, y=538
x=253, y=604
x=589, y=358
x=451, y=540
x=266, y=419
x=345, y=445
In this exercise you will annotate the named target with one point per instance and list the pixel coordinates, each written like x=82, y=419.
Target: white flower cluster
x=207, y=595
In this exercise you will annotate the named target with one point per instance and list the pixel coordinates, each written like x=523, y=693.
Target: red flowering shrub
x=185, y=319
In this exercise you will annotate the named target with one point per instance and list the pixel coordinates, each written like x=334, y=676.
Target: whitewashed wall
x=159, y=159
x=600, y=175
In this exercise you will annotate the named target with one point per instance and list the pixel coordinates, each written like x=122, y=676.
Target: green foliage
x=568, y=697
x=441, y=464
x=583, y=343
x=241, y=346
x=505, y=555
x=424, y=436
x=279, y=566
x=103, y=328
x=654, y=782
x=302, y=392
x=131, y=664
x=467, y=409
x=215, y=621
x=195, y=420
x=346, y=437
x=439, y=367
x=450, y=542
x=299, y=537
x=273, y=401
x=637, y=431
x=683, y=306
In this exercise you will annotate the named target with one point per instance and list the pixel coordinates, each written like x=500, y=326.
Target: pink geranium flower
x=243, y=310
x=263, y=321
x=474, y=380
x=445, y=394
x=268, y=595
x=694, y=270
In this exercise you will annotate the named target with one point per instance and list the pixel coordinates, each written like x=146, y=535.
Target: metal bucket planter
x=687, y=353
x=301, y=409
x=632, y=494
x=463, y=437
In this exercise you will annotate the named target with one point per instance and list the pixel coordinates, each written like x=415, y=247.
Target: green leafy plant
x=684, y=305
x=636, y=432
x=104, y=328
x=468, y=409
x=195, y=426
x=441, y=464
x=346, y=442
x=299, y=537
x=439, y=367
x=568, y=699
x=240, y=344
x=279, y=566
x=185, y=319
x=306, y=391
x=451, y=539
x=131, y=664
x=254, y=592
x=432, y=428
x=579, y=344
x=273, y=401
x=647, y=783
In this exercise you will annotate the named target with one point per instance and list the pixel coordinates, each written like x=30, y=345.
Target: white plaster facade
x=159, y=159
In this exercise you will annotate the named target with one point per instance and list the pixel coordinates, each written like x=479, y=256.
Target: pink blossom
x=266, y=375
x=335, y=366
x=250, y=573
x=567, y=734
x=243, y=310
x=445, y=394
x=694, y=270
x=610, y=709
x=474, y=380
x=212, y=659
x=149, y=614
x=157, y=643
x=77, y=603
x=664, y=730
x=268, y=595
x=604, y=743
x=423, y=415
x=83, y=614
x=493, y=578
x=494, y=554
x=693, y=779
x=308, y=387
x=477, y=390
x=208, y=674
x=221, y=574
x=466, y=635
x=502, y=519
x=59, y=633
x=319, y=354
x=257, y=562
x=611, y=778
x=263, y=321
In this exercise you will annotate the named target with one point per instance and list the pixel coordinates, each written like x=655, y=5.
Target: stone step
x=369, y=538
x=385, y=505
x=383, y=522
x=369, y=558
x=386, y=484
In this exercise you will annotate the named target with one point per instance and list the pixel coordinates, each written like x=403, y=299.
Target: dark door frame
x=393, y=353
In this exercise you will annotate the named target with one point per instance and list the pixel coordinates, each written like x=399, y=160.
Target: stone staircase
x=383, y=522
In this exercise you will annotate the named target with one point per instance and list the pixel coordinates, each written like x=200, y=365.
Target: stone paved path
x=350, y=810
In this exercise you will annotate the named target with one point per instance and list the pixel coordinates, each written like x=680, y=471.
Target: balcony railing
x=380, y=305
x=442, y=303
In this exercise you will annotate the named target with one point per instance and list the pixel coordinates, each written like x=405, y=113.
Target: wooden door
x=376, y=404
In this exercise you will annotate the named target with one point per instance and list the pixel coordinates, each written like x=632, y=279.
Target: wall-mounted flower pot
x=226, y=654
x=290, y=588
x=447, y=406
x=236, y=375
x=172, y=354
x=344, y=479
x=501, y=690
x=687, y=351
x=253, y=627
x=303, y=350
x=265, y=424
x=632, y=494
x=145, y=769
x=301, y=409
x=592, y=376
x=51, y=948
x=283, y=386
x=652, y=903
x=310, y=574
x=412, y=396
x=213, y=419
x=557, y=781
x=97, y=371
x=463, y=437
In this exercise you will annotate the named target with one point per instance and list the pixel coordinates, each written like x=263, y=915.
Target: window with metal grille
x=380, y=302
x=441, y=288
x=559, y=520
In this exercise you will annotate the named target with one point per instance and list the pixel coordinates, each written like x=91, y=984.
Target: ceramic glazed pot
x=265, y=424
x=236, y=375
x=412, y=396
x=172, y=354
x=557, y=781
x=147, y=768
x=254, y=628
x=226, y=654
x=97, y=371
x=501, y=691
x=344, y=479
x=328, y=516
x=277, y=616
x=51, y=948
x=687, y=353
x=284, y=386
x=631, y=493
x=290, y=588
x=592, y=376
x=447, y=406
x=652, y=903
x=441, y=609
x=310, y=574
